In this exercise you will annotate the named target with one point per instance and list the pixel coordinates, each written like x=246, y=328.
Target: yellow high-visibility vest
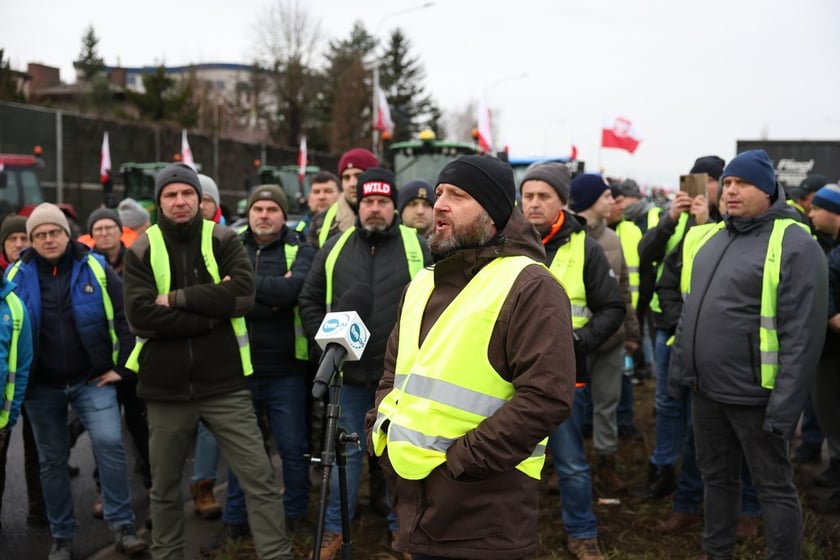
x=567, y=266
x=446, y=387
x=159, y=259
x=16, y=312
x=629, y=235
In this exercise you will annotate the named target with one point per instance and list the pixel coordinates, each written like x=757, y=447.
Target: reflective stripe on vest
x=159, y=259
x=673, y=241
x=301, y=342
x=301, y=226
x=16, y=312
x=629, y=235
x=768, y=344
x=329, y=218
x=411, y=247
x=441, y=392
x=567, y=266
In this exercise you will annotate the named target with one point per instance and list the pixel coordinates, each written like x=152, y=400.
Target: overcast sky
x=692, y=75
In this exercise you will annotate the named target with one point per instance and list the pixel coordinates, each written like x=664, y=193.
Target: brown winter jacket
x=609, y=242
x=477, y=504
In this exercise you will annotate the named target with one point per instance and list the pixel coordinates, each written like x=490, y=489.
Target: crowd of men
x=500, y=338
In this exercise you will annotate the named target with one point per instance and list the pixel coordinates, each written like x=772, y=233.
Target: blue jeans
x=356, y=400
x=671, y=414
x=284, y=399
x=99, y=411
x=567, y=453
x=725, y=435
x=206, y=455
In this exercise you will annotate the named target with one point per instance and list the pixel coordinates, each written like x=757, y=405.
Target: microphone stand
x=334, y=453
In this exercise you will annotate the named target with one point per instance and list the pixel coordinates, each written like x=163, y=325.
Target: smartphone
x=694, y=184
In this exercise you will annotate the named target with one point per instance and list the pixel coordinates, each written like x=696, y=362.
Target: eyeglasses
x=51, y=234
x=103, y=229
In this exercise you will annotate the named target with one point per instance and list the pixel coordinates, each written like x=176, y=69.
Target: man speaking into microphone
x=479, y=370
x=386, y=255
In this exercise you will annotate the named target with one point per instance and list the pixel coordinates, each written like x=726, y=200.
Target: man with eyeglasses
x=81, y=342
x=105, y=229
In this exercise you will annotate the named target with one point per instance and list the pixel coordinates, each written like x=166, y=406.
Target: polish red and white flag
x=186, y=151
x=383, y=113
x=618, y=132
x=105, y=160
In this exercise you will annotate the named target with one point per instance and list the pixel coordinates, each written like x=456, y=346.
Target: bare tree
x=285, y=44
x=461, y=122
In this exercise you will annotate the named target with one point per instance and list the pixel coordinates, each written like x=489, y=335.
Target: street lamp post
x=375, y=100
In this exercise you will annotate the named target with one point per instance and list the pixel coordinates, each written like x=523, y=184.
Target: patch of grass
x=626, y=530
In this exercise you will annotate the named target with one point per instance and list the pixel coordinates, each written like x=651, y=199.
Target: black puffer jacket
x=191, y=352
x=271, y=322
x=376, y=259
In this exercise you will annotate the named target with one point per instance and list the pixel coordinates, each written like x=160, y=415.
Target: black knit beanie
x=710, y=165
x=177, y=173
x=103, y=214
x=488, y=180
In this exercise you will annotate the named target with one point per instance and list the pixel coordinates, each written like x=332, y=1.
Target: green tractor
x=139, y=181
x=425, y=157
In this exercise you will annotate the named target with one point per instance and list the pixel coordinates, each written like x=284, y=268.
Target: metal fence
x=72, y=142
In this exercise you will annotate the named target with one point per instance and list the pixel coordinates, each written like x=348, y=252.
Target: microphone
x=343, y=334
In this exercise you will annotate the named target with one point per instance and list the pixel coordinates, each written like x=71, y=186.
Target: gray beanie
x=177, y=173
x=208, y=187
x=47, y=213
x=132, y=214
x=103, y=214
x=557, y=175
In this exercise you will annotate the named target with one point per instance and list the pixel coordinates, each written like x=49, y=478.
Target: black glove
x=4, y=436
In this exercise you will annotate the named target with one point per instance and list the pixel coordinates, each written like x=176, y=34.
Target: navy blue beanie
x=828, y=198
x=585, y=190
x=416, y=189
x=754, y=167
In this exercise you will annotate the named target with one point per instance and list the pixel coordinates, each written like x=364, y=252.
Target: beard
x=375, y=224
x=470, y=234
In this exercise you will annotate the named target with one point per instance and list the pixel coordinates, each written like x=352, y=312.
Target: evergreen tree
x=347, y=93
x=89, y=61
x=9, y=89
x=401, y=76
x=165, y=99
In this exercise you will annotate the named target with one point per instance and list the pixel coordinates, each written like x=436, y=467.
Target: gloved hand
x=4, y=436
